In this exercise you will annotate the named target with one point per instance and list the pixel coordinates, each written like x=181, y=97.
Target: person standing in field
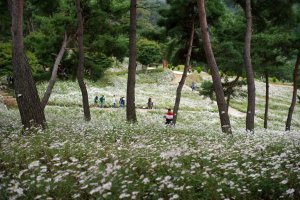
x=193, y=86
x=114, y=102
x=122, y=102
x=169, y=117
x=96, y=100
x=102, y=101
x=150, y=103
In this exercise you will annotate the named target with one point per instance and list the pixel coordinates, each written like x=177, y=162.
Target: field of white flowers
x=110, y=159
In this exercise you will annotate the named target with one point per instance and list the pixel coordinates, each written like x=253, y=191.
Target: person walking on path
x=102, y=101
x=114, y=102
x=169, y=117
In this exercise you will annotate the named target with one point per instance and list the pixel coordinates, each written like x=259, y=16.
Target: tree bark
x=130, y=108
x=54, y=71
x=267, y=101
x=80, y=70
x=26, y=92
x=294, y=98
x=249, y=70
x=184, y=75
x=230, y=86
x=222, y=107
x=228, y=101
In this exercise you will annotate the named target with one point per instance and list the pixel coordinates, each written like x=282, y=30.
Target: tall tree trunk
x=267, y=101
x=222, y=107
x=230, y=86
x=184, y=75
x=130, y=108
x=26, y=93
x=249, y=70
x=54, y=71
x=293, y=103
x=80, y=70
x=228, y=101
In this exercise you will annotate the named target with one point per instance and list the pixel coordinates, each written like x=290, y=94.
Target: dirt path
x=177, y=78
x=235, y=112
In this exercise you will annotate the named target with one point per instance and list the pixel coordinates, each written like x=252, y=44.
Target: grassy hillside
x=110, y=159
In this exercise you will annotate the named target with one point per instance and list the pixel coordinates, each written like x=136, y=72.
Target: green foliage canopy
x=148, y=52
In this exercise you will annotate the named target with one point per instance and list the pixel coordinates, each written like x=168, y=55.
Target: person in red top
x=169, y=116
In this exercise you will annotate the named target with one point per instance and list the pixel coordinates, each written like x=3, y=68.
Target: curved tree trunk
x=130, y=108
x=26, y=93
x=54, y=72
x=80, y=70
x=228, y=101
x=184, y=75
x=249, y=70
x=230, y=86
x=294, y=98
x=267, y=100
x=222, y=107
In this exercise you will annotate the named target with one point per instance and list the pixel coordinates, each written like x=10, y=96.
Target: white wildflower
x=107, y=186
x=34, y=164
x=284, y=182
x=146, y=180
x=290, y=191
x=73, y=159
x=175, y=196
x=124, y=195
x=97, y=189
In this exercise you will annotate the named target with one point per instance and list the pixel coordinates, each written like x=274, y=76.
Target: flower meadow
x=107, y=158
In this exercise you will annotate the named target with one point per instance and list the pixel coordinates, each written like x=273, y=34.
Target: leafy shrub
x=6, y=62
x=148, y=52
x=41, y=76
x=96, y=64
x=207, y=89
x=5, y=58
x=34, y=63
x=274, y=79
x=199, y=69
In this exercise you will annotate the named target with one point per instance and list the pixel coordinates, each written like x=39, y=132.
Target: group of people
x=101, y=101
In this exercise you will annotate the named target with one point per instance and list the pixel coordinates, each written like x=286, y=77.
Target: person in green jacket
x=96, y=100
x=102, y=101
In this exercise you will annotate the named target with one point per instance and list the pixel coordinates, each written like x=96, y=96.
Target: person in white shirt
x=114, y=102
